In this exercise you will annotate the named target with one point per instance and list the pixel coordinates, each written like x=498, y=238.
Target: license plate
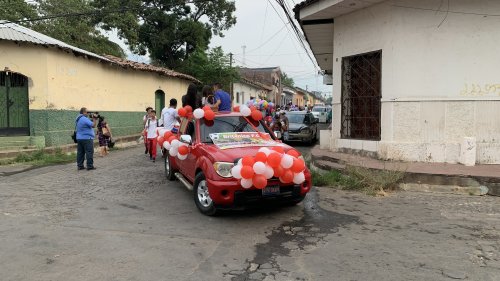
x=271, y=190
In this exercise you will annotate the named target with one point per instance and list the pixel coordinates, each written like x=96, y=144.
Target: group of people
x=85, y=135
x=213, y=96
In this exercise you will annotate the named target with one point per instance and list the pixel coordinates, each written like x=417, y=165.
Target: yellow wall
x=298, y=99
x=60, y=80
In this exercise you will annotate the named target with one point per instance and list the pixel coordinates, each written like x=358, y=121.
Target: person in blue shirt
x=85, y=139
x=222, y=99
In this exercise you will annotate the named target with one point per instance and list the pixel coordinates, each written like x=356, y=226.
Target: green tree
x=211, y=67
x=169, y=30
x=286, y=81
x=80, y=31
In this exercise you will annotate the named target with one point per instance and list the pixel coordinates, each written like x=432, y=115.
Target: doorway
x=159, y=101
x=14, y=104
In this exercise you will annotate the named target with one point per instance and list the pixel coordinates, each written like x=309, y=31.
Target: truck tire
x=202, y=197
x=169, y=172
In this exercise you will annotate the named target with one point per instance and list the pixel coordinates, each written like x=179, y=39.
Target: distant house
x=300, y=97
x=287, y=95
x=245, y=89
x=412, y=80
x=269, y=76
x=44, y=82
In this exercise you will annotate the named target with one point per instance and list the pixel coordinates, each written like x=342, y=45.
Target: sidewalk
x=418, y=173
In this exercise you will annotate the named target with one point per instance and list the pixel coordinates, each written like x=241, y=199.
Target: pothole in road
x=294, y=236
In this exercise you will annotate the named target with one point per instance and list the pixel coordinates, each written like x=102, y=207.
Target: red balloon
x=287, y=176
x=259, y=181
x=183, y=150
x=252, y=108
x=298, y=165
x=209, y=115
x=256, y=115
x=278, y=171
x=171, y=139
x=293, y=152
x=247, y=161
x=236, y=108
x=182, y=112
x=188, y=108
x=247, y=172
x=167, y=135
x=278, y=149
x=206, y=107
x=161, y=140
x=260, y=157
x=274, y=159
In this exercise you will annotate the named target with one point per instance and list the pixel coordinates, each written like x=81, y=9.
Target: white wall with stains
x=440, y=77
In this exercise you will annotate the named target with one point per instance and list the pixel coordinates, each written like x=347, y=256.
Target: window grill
x=361, y=94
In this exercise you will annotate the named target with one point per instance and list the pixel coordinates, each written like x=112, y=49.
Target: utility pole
x=231, y=90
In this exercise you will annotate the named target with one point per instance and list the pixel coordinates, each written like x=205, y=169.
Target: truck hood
x=231, y=154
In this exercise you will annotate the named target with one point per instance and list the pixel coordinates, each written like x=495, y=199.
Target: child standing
x=151, y=125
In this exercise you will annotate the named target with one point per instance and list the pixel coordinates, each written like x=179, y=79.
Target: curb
x=419, y=182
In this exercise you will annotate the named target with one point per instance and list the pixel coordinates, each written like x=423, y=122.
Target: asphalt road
x=124, y=221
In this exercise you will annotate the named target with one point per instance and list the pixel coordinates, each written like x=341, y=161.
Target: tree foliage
x=169, y=30
x=210, y=68
x=287, y=81
x=79, y=31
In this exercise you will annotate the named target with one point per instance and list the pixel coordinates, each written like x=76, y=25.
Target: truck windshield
x=227, y=124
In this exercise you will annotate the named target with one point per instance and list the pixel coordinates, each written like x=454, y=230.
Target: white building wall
x=440, y=79
x=246, y=91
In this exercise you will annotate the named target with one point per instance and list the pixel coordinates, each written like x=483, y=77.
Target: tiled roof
x=151, y=68
x=260, y=75
x=17, y=33
x=257, y=84
x=304, y=4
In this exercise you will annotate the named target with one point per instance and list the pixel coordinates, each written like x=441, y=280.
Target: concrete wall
x=440, y=78
x=61, y=83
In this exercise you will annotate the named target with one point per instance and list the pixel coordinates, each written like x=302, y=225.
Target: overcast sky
x=268, y=43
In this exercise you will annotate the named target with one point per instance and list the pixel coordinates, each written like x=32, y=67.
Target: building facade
x=411, y=81
x=268, y=76
x=44, y=82
x=246, y=89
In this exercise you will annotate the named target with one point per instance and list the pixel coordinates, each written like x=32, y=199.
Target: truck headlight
x=305, y=131
x=223, y=169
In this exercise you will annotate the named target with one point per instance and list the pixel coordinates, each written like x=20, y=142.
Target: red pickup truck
x=207, y=169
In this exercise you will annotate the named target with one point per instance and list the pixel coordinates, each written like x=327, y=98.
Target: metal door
x=14, y=104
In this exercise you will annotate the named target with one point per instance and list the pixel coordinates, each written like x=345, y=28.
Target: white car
x=321, y=112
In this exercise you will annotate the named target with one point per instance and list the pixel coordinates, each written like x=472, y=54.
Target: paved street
x=124, y=221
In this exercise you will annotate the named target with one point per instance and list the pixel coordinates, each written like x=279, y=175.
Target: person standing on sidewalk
x=144, y=134
x=85, y=139
x=151, y=125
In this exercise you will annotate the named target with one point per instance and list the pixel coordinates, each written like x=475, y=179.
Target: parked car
x=323, y=113
x=302, y=126
x=207, y=169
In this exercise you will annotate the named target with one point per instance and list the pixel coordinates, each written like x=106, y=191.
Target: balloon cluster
x=205, y=112
x=170, y=142
x=268, y=163
x=260, y=104
x=249, y=111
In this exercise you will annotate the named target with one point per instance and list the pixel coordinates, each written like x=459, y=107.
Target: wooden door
x=14, y=104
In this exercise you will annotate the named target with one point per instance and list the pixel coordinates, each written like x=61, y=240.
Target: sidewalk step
x=328, y=166
x=17, y=148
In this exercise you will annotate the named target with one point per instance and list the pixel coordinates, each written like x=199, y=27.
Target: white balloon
x=259, y=168
x=175, y=144
x=236, y=172
x=266, y=150
x=166, y=145
x=286, y=161
x=240, y=162
x=173, y=151
x=299, y=178
x=245, y=110
x=198, y=113
x=269, y=173
x=182, y=157
x=246, y=183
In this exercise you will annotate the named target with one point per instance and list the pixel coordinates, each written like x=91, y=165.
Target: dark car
x=302, y=126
